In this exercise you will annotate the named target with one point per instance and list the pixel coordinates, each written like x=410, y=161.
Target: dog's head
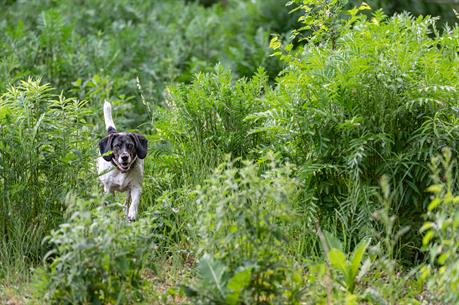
x=123, y=148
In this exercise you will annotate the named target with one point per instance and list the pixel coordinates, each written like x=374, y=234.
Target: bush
x=371, y=97
x=205, y=120
x=362, y=95
x=96, y=258
x=242, y=218
x=155, y=42
x=441, y=237
x=443, y=9
x=45, y=151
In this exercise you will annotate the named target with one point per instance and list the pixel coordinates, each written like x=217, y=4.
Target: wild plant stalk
x=42, y=158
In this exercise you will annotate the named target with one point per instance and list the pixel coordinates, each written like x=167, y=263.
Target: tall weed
x=156, y=42
x=95, y=258
x=45, y=151
x=377, y=97
x=242, y=218
x=205, y=120
x=440, y=231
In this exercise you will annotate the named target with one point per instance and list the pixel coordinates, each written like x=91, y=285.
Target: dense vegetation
x=300, y=152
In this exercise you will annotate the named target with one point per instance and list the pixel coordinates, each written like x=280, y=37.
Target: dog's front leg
x=126, y=203
x=135, y=198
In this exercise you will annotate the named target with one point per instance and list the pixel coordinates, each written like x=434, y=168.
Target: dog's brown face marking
x=123, y=148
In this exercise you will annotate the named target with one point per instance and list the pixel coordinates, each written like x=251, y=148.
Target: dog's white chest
x=116, y=181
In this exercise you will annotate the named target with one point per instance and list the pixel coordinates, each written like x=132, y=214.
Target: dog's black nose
x=124, y=158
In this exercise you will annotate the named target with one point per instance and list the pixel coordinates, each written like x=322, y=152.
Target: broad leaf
x=357, y=256
x=337, y=259
x=238, y=282
x=211, y=273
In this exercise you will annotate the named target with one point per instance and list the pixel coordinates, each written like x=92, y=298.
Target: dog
x=120, y=166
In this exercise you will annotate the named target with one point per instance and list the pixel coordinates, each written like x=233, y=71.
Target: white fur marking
x=108, y=115
x=115, y=180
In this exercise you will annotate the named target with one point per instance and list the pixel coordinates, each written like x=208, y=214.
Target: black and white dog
x=120, y=166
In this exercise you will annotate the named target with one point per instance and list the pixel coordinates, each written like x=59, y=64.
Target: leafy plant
x=220, y=285
x=362, y=96
x=387, y=268
x=349, y=268
x=70, y=43
x=45, y=151
x=441, y=237
x=204, y=120
x=367, y=103
x=242, y=216
x=96, y=259
x=443, y=9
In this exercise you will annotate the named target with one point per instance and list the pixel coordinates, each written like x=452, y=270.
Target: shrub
x=97, y=258
x=441, y=231
x=45, y=150
x=156, y=42
x=242, y=218
x=205, y=120
x=335, y=279
x=372, y=97
x=417, y=7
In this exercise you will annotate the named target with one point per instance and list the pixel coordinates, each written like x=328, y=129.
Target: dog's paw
x=131, y=218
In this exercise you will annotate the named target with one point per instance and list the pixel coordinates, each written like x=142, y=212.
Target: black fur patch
x=141, y=145
x=105, y=147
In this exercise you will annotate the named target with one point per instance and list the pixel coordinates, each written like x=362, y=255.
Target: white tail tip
x=108, y=116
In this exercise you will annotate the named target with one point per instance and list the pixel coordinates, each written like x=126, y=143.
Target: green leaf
x=426, y=239
x=275, y=43
x=434, y=203
x=442, y=258
x=357, y=255
x=211, y=273
x=435, y=188
x=333, y=241
x=337, y=259
x=364, y=6
x=238, y=282
x=426, y=226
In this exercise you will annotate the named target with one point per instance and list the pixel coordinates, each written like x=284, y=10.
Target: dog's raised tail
x=108, y=118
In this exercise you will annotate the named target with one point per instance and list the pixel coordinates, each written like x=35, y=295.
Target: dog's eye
x=130, y=146
x=117, y=146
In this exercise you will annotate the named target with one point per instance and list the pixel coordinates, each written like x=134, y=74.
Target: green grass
x=290, y=175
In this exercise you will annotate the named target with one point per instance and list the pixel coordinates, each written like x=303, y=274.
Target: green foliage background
x=289, y=151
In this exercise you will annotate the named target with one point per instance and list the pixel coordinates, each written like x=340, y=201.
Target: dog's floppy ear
x=105, y=147
x=141, y=145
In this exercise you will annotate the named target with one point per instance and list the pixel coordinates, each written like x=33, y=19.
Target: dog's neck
x=120, y=168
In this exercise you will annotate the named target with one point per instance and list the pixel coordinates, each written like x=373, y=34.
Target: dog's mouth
x=122, y=166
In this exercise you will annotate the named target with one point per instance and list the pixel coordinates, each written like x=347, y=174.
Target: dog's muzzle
x=124, y=168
